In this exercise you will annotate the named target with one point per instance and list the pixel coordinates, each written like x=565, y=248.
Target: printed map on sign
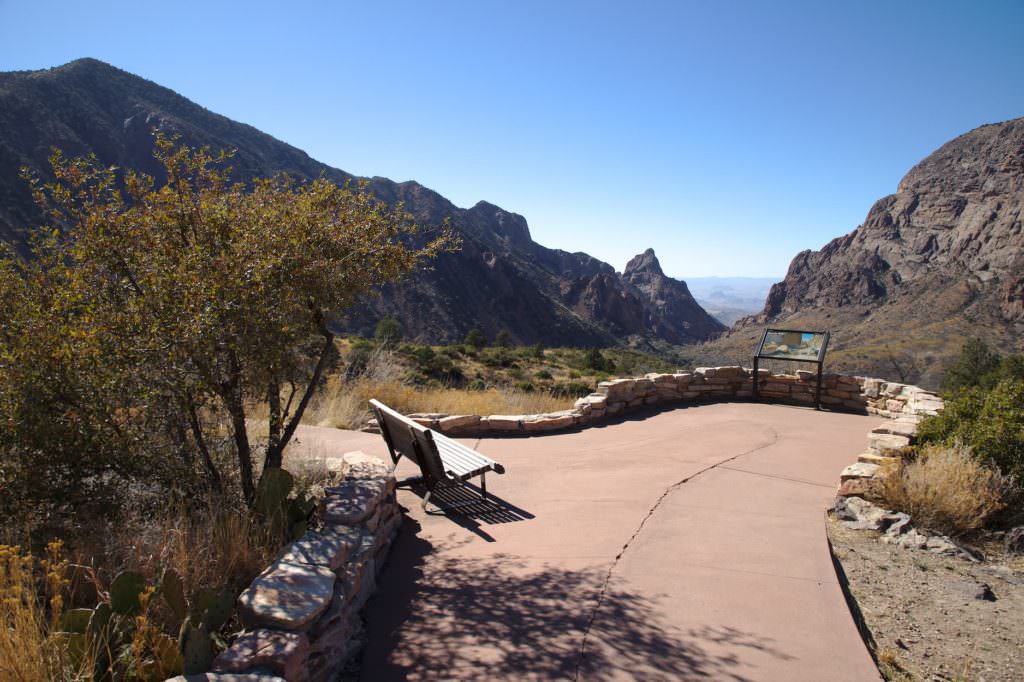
x=792, y=345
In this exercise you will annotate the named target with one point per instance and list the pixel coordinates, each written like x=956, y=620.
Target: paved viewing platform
x=677, y=545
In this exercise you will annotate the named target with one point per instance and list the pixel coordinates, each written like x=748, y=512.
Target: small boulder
x=973, y=590
x=1014, y=540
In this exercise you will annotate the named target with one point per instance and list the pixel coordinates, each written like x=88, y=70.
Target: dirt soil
x=929, y=616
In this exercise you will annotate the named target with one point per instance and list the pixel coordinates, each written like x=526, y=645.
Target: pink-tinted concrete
x=683, y=545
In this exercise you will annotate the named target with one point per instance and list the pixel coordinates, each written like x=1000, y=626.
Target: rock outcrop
x=501, y=280
x=938, y=262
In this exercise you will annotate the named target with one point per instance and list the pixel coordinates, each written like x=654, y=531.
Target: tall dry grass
x=343, y=401
x=31, y=605
x=947, y=489
x=217, y=545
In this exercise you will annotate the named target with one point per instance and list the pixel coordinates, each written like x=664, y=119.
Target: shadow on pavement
x=496, y=617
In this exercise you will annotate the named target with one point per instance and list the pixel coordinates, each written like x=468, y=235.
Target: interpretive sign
x=795, y=345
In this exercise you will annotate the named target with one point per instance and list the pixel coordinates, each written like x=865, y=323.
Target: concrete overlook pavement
x=686, y=544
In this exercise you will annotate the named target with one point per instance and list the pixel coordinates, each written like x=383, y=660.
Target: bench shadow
x=438, y=616
x=464, y=506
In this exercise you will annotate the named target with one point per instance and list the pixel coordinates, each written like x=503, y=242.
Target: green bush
x=978, y=366
x=544, y=374
x=990, y=422
x=572, y=389
x=476, y=338
x=388, y=331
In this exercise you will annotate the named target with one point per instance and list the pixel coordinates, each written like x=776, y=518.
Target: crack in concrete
x=650, y=512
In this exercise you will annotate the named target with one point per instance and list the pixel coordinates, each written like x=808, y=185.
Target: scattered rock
x=859, y=514
x=1014, y=540
x=973, y=590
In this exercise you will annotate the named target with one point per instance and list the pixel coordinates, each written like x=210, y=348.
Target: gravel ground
x=930, y=617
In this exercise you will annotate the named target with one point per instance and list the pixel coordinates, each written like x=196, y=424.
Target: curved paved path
x=682, y=545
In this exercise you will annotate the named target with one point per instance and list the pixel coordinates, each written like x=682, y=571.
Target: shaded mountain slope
x=500, y=280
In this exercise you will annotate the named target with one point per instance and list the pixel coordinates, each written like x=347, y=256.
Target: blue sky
x=728, y=136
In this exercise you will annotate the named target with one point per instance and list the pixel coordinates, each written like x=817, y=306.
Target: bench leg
x=483, y=486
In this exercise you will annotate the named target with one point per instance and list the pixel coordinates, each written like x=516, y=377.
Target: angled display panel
x=787, y=344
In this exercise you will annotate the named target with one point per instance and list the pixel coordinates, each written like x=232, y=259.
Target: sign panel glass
x=783, y=344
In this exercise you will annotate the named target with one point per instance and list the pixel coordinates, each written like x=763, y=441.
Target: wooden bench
x=442, y=461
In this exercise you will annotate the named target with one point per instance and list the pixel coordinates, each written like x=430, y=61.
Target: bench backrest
x=408, y=439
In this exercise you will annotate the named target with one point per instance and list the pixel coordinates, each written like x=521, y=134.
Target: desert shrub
x=571, y=389
x=979, y=366
x=537, y=351
x=947, y=489
x=990, y=422
x=503, y=339
x=388, y=331
x=524, y=386
x=544, y=374
x=498, y=357
x=476, y=338
x=476, y=385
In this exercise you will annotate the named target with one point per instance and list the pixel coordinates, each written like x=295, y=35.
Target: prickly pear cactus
x=125, y=593
x=272, y=492
x=173, y=592
x=196, y=648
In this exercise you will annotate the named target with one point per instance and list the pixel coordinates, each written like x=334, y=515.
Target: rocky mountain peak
x=643, y=262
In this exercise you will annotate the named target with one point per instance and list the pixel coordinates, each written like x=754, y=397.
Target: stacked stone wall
x=862, y=395
x=302, y=614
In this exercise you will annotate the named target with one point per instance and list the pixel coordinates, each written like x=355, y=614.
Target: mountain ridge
x=937, y=262
x=501, y=280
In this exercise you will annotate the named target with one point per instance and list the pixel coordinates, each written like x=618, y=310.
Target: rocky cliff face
x=938, y=262
x=500, y=280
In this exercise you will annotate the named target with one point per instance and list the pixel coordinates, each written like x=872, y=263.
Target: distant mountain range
x=729, y=299
x=501, y=280
x=936, y=263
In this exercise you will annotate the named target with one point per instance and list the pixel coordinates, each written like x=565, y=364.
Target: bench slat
x=457, y=460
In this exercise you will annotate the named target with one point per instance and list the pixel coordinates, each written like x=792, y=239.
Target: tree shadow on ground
x=437, y=616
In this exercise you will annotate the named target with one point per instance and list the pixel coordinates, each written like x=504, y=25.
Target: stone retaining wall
x=302, y=614
x=704, y=384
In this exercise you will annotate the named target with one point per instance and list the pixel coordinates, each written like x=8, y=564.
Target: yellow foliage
x=31, y=646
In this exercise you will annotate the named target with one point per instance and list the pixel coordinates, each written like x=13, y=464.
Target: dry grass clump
x=343, y=404
x=31, y=606
x=343, y=401
x=947, y=489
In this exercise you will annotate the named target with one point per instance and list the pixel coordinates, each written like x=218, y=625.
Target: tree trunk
x=233, y=402
x=276, y=453
x=197, y=436
x=275, y=450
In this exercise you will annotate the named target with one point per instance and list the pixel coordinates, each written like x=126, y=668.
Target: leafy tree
x=476, y=338
x=152, y=317
x=503, y=339
x=595, y=360
x=975, y=366
x=388, y=331
x=537, y=350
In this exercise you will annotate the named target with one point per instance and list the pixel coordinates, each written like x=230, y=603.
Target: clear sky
x=728, y=136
